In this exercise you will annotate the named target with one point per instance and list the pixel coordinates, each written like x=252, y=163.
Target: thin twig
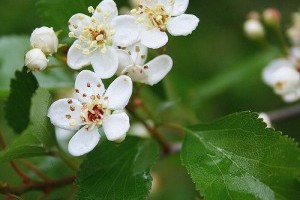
x=284, y=114
x=36, y=186
x=25, y=178
x=35, y=169
x=2, y=142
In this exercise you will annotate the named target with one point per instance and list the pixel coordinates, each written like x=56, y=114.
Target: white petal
x=154, y=38
x=148, y=3
x=119, y=93
x=106, y=10
x=78, y=22
x=179, y=7
x=75, y=58
x=83, y=141
x=115, y=126
x=65, y=114
x=127, y=30
x=88, y=85
x=157, y=69
x=63, y=137
x=182, y=25
x=105, y=64
x=272, y=68
x=138, y=53
x=136, y=73
x=124, y=60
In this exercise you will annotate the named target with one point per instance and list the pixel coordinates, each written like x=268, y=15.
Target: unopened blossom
x=94, y=108
x=45, y=39
x=95, y=36
x=156, y=17
x=254, y=29
x=266, y=119
x=35, y=60
x=294, y=31
x=132, y=63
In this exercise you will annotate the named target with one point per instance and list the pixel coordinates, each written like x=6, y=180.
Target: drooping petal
x=127, y=30
x=75, y=58
x=124, y=60
x=65, y=114
x=157, y=69
x=78, y=22
x=182, y=25
x=138, y=53
x=115, y=126
x=105, y=64
x=84, y=141
x=154, y=38
x=119, y=93
x=63, y=137
x=106, y=11
x=88, y=86
x=179, y=7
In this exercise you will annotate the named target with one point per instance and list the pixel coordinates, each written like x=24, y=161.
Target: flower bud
x=254, y=29
x=35, y=60
x=272, y=17
x=45, y=39
x=294, y=31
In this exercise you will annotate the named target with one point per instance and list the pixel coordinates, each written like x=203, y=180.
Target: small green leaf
x=118, y=172
x=238, y=158
x=37, y=139
x=18, y=104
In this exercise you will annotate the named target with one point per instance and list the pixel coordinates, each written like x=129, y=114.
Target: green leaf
x=38, y=138
x=13, y=49
x=18, y=104
x=238, y=158
x=118, y=172
x=56, y=14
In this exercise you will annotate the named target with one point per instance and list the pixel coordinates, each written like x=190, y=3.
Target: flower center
x=95, y=114
x=153, y=17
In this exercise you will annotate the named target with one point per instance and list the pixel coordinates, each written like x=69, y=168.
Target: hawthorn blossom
x=158, y=16
x=94, y=108
x=35, y=60
x=132, y=63
x=45, y=39
x=95, y=36
x=284, y=78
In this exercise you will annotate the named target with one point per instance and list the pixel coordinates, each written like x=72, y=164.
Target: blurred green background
x=217, y=71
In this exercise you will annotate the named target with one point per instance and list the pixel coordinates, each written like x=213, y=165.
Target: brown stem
x=36, y=186
x=25, y=178
x=153, y=131
x=284, y=114
x=35, y=169
x=2, y=142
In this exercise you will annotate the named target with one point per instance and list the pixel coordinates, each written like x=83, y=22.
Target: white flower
x=45, y=39
x=254, y=29
x=158, y=16
x=96, y=35
x=295, y=56
x=94, y=107
x=132, y=63
x=35, y=60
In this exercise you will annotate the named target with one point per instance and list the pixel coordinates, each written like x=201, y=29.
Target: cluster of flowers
x=115, y=45
x=283, y=74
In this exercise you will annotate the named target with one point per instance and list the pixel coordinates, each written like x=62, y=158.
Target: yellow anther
x=71, y=34
x=91, y=9
x=86, y=52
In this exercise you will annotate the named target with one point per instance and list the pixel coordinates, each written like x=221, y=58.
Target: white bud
x=292, y=96
x=45, y=39
x=265, y=119
x=254, y=29
x=295, y=55
x=285, y=80
x=35, y=60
